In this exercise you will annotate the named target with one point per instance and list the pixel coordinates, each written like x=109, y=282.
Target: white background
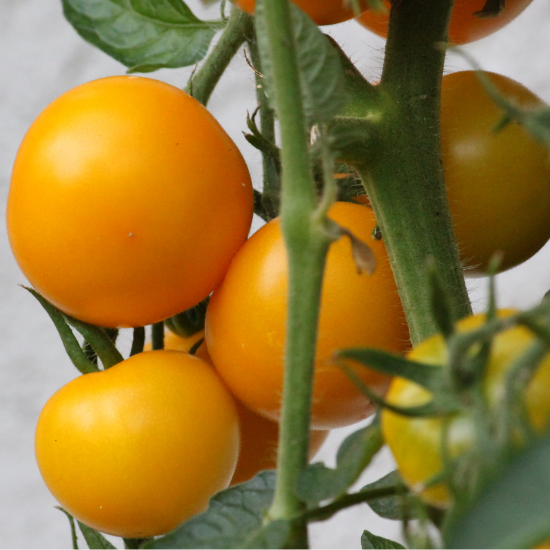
x=41, y=56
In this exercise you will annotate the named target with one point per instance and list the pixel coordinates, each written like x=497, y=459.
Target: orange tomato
x=464, y=27
x=127, y=202
x=323, y=12
x=137, y=449
x=498, y=183
x=245, y=321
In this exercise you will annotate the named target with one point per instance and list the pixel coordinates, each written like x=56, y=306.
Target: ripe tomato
x=177, y=343
x=416, y=442
x=119, y=213
x=498, y=184
x=245, y=321
x=137, y=449
x=464, y=27
x=323, y=12
x=259, y=436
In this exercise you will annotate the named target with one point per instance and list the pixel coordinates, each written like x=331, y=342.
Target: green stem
x=405, y=181
x=306, y=249
x=271, y=178
x=202, y=84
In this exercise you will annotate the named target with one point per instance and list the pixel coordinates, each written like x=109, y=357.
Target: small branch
x=202, y=84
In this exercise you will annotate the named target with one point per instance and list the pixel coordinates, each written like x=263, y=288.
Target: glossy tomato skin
x=259, y=436
x=416, y=442
x=465, y=27
x=245, y=321
x=138, y=200
x=137, y=449
x=323, y=12
x=498, y=184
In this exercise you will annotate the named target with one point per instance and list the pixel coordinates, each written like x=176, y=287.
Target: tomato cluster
x=113, y=220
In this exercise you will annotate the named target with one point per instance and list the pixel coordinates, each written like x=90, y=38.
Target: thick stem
x=405, y=181
x=306, y=248
x=202, y=84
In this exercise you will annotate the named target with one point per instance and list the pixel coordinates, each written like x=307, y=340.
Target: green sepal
x=94, y=539
x=442, y=404
x=369, y=540
x=320, y=70
x=188, y=322
x=74, y=537
x=72, y=347
x=144, y=35
x=425, y=375
x=234, y=518
x=99, y=340
x=512, y=510
x=491, y=8
x=318, y=483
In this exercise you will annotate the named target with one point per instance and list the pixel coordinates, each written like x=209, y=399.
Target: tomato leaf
x=144, y=35
x=423, y=374
x=318, y=483
x=393, y=507
x=369, y=540
x=233, y=520
x=94, y=539
x=512, y=510
x=72, y=347
x=320, y=69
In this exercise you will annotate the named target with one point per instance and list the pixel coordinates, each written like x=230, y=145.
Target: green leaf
x=318, y=483
x=72, y=347
x=368, y=540
x=320, y=69
x=272, y=535
x=512, y=511
x=94, y=539
x=428, y=376
x=233, y=520
x=395, y=506
x=144, y=35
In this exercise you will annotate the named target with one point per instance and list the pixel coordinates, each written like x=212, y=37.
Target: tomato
x=178, y=343
x=245, y=321
x=137, y=449
x=498, y=184
x=323, y=12
x=118, y=212
x=259, y=436
x=464, y=27
x=416, y=442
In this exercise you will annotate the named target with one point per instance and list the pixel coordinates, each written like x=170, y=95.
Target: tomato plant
x=135, y=450
x=323, y=12
x=245, y=321
x=497, y=181
x=416, y=443
x=465, y=25
x=129, y=227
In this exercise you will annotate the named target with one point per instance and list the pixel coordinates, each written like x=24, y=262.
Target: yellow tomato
x=139, y=448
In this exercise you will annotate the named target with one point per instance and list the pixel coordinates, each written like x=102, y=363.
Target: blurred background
x=41, y=57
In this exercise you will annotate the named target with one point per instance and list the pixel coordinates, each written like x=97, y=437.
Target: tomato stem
x=202, y=83
x=307, y=246
x=405, y=179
